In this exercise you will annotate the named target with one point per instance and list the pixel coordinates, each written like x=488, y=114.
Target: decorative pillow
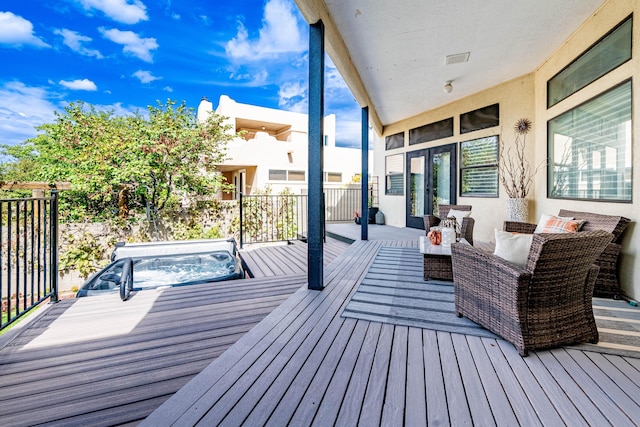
x=513, y=247
x=561, y=225
x=459, y=215
x=542, y=222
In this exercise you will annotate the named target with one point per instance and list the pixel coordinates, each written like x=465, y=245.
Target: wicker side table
x=437, y=260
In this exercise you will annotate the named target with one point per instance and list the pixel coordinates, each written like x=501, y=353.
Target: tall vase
x=518, y=209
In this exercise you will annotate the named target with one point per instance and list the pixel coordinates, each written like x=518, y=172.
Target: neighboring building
x=274, y=149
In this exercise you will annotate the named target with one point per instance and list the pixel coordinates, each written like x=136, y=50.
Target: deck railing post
x=54, y=245
x=241, y=221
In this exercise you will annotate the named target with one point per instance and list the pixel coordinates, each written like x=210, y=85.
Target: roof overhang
x=393, y=55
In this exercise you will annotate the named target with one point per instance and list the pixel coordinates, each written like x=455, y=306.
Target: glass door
x=431, y=181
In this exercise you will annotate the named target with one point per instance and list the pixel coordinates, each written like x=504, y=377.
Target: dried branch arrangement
x=516, y=173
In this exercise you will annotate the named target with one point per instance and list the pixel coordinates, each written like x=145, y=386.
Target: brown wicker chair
x=607, y=284
x=466, y=230
x=546, y=303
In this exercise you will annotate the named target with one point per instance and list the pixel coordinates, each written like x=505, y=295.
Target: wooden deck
x=100, y=361
x=304, y=364
x=270, y=352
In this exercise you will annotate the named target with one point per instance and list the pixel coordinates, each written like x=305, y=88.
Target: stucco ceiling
x=392, y=54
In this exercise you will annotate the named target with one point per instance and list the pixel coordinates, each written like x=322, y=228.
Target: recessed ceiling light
x=457, y=58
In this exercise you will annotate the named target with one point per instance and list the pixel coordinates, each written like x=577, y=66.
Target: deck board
x=283, y=259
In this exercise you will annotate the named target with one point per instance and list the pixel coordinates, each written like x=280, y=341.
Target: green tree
x=159, y=157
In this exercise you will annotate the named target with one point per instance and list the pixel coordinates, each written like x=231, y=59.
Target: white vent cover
x=457, y=58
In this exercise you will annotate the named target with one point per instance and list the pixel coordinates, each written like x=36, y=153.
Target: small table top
x=427, y=248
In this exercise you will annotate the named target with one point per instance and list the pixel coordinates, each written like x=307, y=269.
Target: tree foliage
x=158, y=157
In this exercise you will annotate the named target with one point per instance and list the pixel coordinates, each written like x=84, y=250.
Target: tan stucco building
x=273, y=150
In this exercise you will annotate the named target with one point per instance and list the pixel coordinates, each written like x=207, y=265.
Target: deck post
x=315, y=270
x=364, y=180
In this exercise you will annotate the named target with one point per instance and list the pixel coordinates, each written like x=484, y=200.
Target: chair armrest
x=472, y=263
x=519, y=227
x=466, y=230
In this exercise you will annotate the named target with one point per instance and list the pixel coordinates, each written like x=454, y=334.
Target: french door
x=431, y=181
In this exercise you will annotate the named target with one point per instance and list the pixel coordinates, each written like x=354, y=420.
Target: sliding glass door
x=431, y=181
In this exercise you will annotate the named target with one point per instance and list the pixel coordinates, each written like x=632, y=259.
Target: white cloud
x=168, y=89
x=280, y=33
x=124, y=11
x=84, y=84
x=23, y=108
x=133, y=43
x=145, y=76
x=17, y=31
x=293, y=97
x=76, y=42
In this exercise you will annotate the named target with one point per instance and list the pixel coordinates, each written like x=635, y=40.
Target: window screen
x=479, y=167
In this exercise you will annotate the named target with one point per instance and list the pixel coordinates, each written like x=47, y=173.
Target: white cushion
x=513, y=247
x=459, y=215
x=542, y=222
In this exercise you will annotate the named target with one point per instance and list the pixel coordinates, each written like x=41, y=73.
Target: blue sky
x=123, y=55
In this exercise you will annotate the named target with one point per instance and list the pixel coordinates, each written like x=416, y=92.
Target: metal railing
x=276, y=218
x=28, y=254
x=269, y=218
x=341, y=203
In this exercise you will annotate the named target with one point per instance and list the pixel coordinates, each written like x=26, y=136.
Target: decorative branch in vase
x=516, y=172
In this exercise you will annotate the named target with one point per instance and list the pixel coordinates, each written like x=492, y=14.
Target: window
x=431, y=132
x=479, y=167
x=590, y=149
x=285, y=175
x=295, y=176
x=394, y=174
x=277, y=175
x=611, y=51
x=482, y=118
x=332, y=177
x=394, y=141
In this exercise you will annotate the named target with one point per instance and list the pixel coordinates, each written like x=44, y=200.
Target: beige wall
x=516, y=101
x=525, y=97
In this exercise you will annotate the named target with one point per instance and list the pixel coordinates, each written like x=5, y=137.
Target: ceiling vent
x=457, y=58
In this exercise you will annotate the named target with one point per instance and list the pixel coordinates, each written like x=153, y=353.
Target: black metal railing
x=342, y=203
x=276, y=218
x=270, y=218
x=28, y=254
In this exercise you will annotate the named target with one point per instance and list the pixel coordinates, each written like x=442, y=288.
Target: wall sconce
x=448, y=86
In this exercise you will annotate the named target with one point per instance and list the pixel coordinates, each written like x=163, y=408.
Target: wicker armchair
x=607, y=284
x=546, y=303
x=466, y=229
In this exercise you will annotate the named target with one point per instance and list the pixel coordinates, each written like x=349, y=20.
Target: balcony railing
x=269, y=218
x=28, y=254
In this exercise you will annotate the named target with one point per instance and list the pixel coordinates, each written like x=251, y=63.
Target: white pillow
x=513, y=247
x=543, y=221
x=459, y=215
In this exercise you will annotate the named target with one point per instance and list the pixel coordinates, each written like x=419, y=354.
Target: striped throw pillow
x=562, y=225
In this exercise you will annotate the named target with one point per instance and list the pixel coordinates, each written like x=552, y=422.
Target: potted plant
x=516, y=172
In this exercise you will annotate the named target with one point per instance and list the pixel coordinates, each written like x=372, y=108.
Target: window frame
x=552, y=161
x=491, y=165
x=584, y=54
x=387, y=189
